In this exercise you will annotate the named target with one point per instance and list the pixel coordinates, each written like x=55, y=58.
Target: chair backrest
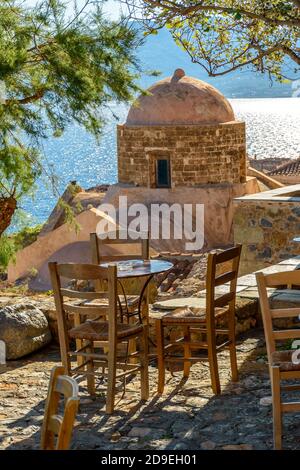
x=277, y=280
x=63, y=306
x=227, y=262
x=135, y=246
x=57, y=428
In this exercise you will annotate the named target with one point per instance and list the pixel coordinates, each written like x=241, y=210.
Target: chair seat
x=283, y=359
x=98, y=331
x=190, y=315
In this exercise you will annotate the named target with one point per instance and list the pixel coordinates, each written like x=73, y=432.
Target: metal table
x=139, y=268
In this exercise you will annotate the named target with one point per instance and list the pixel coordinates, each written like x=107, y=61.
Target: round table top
x=139, y=268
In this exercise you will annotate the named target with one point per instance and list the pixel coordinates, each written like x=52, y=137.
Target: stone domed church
x=182, y=133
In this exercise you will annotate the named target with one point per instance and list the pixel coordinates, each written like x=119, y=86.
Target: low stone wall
x=266, y=224
x=246, y=313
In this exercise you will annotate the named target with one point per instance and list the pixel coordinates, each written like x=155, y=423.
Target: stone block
x=24, y=329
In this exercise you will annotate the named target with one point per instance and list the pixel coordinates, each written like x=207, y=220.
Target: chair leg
x=144, y=364
x=232, y=350
x=213, y=362
x=111, y=381
x=187, y=352
x=90, y=370
x=65, y=358
x=160, y=356
x=132, y=345
x=79, y=342
x=277, y=418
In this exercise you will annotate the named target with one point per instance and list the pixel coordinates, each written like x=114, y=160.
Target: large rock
x=24, y=329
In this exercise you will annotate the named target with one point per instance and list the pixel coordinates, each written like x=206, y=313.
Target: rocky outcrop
x=24, y=329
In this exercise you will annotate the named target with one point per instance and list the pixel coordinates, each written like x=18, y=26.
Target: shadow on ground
x=187, y=416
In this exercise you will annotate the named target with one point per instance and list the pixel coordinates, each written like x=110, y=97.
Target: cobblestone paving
x=187, y=416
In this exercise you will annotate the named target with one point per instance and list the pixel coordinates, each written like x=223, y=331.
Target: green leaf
x=57, y=70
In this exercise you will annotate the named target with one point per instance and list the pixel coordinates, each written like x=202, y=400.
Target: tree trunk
x=8, y=206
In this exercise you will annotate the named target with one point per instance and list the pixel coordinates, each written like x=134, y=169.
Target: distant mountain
x=161, y=53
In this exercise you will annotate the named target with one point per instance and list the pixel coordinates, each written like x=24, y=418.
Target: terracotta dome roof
x=180, y=100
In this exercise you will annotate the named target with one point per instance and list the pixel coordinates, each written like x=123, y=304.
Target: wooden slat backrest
x=229, y=254
x=88, y=310
x=224, y=300
x=279, y=280
x=57, y=429
x=83, y=295
x=122, y=238
x=224, y=278
x=81, y=271
x=285, y=312
x=63, y=306
x=214, y=261
x=75, y=272
x=66, y=386
x=285, y=278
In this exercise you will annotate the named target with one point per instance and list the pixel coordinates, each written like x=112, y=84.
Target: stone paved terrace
x=187, y=416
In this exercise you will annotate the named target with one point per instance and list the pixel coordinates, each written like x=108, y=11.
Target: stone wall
x=266, y=229
x=198, y=154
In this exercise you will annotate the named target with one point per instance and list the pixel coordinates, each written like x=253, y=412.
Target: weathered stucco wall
x=205, y=154
x=266, y=224
x=218, y=208
x=34, y=256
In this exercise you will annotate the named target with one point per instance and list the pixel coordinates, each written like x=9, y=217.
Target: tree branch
x=259, y=57
x=181, y=10
x=291, y=54
x=28, y=99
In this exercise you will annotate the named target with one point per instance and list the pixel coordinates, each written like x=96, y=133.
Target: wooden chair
x=204, y=320
x=137, y=249
x=57, y=430
x=281, y=364
x=96, y=330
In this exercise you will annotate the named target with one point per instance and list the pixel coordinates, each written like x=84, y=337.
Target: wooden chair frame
x=120, y=237
x=54, y=424
x=208, y=326
x=98, y=244
x=278, y=280
x=89, y=360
